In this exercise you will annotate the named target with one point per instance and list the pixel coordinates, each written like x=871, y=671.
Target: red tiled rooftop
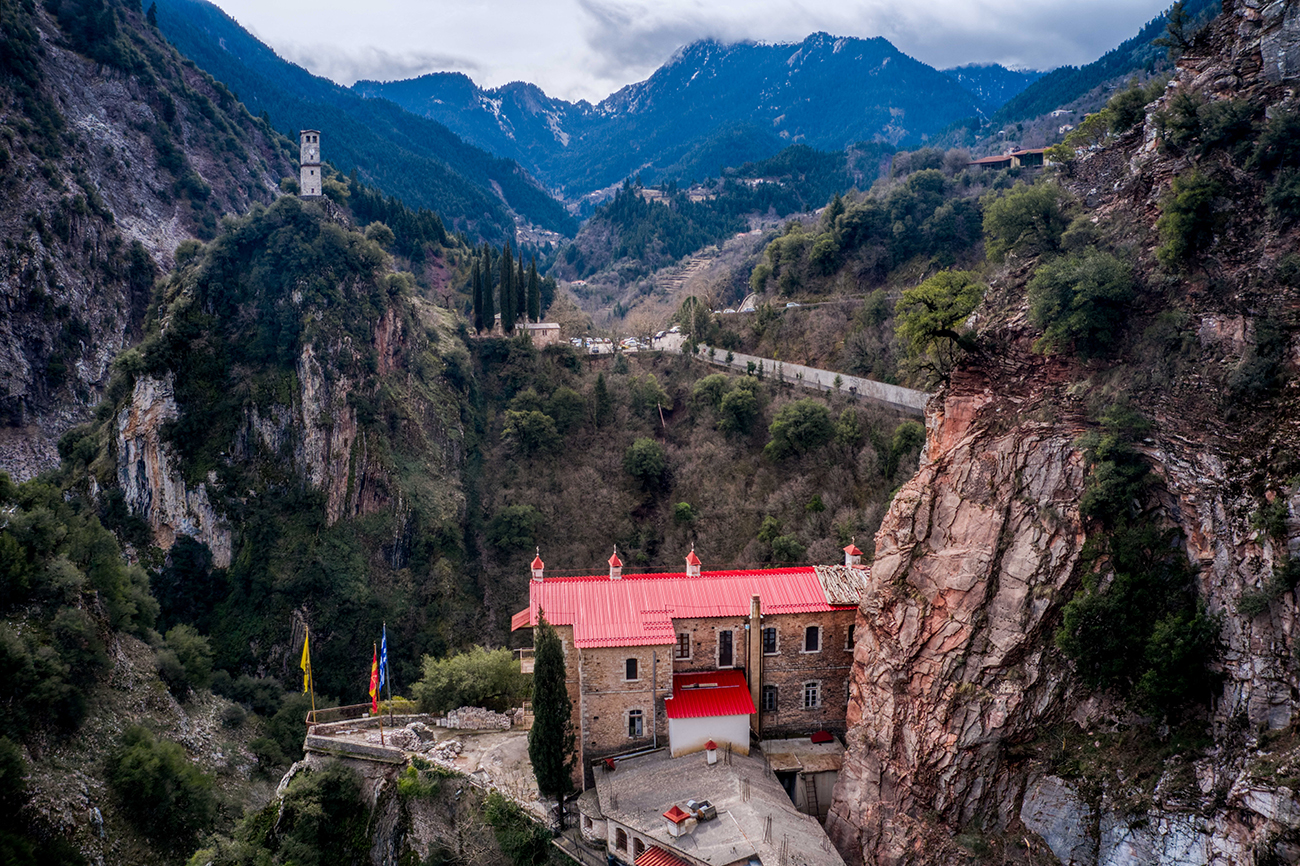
x=656, y=856
x=676, y=814
x=709, y=693
x=639, y=609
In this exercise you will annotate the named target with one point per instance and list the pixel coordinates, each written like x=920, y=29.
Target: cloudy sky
x=586, y=49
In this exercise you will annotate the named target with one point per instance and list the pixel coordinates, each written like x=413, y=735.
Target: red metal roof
x=537, y=562
x=711, y=746
x=709, y=693
x=676, y=814
x=852, y=550
x=639, y=609
x=614, y=560
x=656, y=856
x=519, y=620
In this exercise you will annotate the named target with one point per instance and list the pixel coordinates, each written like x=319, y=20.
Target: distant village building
x=1032, y=158
x=682, y=659
x=309, y=162
x=543, y=334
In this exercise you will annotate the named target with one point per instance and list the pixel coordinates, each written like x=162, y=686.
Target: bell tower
x=309, y=160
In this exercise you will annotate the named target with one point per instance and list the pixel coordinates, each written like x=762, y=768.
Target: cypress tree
x=550, y=741
x=534, y=292
x=508, y=303
x=476, y=281
x=489, y=315
x=603, y=403
x=521, y=288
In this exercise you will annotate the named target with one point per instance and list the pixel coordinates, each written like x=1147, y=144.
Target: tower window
x=769, y=640
x=769, y=699
x=631, y=669
x=812, y=639
x=635, y=724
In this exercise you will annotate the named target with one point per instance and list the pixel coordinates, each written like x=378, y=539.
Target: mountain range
x=712, y=104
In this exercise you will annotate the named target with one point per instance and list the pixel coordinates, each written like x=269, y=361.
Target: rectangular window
x=631, y=669
x=635, y=728
x=812, y=639
x=683, y=645
x=769, y=699
x=769, y=640
x=812, y=695
x=724, y=649
x=848, y=643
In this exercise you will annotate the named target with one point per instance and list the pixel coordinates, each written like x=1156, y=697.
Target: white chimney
x=692, y=563
x=852, y=556
x=615, y=566
x=711, y=753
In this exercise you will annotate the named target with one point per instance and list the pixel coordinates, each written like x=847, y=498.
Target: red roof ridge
x=614, y=560
x=691, y=558
x=537, y=561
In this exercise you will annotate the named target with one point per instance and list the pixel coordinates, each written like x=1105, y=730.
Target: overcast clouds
x=586, y=49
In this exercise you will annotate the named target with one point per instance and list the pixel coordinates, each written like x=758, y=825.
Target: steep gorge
x=969, y=729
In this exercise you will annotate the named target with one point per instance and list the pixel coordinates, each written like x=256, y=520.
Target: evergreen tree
x=476, y=282
x=521, y=289
x=550, y=742
x=603, y=403
x=485, y=291
x=534, y=292
x=508, y=304
x=152, y=15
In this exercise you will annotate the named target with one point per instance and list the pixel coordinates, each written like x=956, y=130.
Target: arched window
x=638, y=848
x=620, y=839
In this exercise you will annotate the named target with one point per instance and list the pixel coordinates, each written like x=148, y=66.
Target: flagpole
x=380, y=715
x=306, y=656
x=388, y=678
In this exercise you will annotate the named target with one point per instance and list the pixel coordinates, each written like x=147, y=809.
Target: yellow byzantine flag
x=305, y=664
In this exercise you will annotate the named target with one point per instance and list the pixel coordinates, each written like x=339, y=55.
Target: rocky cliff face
x=964, y=717
x=106, y=168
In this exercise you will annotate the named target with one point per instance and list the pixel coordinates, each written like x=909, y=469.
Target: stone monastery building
x=680, y=659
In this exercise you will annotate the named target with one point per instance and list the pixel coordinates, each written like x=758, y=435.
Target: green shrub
x=1081, y=300
x=162, y=793
x=514, y=528
x=738, y=411
x=1278, y=145
x=710, y=390
x=1026, y=220
x=531, y=433
x=787, y=548
x=1188, y=219
x=684, y=512
x=1282, y=197
x=185, y=662
x=799, y=428
x=646, y=462
x=477, y=678
x=522, y=839
x=567, y=407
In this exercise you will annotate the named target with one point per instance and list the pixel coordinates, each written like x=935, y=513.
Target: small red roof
x=656, y=856
x=709, y=693
x=711, y=746
x=615, y=561
x=676, y=815
x=521, y=620
x=852, y=550
x=537, y=561
x=823, y=737
x=691, y=558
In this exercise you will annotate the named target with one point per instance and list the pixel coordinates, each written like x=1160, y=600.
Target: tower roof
x=691, y=558
x=852, y=550
x=615, y=561
x=537, y=561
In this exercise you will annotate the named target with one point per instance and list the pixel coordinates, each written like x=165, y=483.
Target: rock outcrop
x=103, y=173
x=959, y=692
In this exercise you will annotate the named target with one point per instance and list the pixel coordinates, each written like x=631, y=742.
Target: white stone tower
x=309, y=160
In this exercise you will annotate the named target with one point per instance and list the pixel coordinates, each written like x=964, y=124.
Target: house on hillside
x=680, y=659
x=1032, y=158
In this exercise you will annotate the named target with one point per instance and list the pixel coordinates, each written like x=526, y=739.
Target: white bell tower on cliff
x=309, y=160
